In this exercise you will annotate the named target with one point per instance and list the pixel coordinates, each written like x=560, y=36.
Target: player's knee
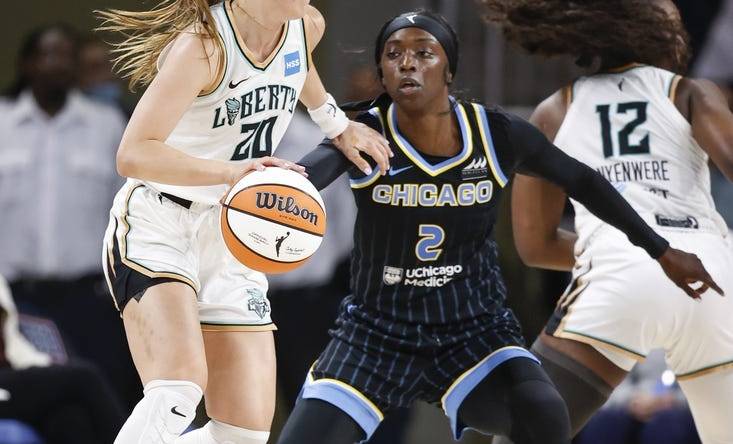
x=165, y=411
x=188, y=366
x=539, y=413
x=197, y=373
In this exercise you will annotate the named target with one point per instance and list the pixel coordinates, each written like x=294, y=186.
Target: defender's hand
x=685, y=269
x=359, y=138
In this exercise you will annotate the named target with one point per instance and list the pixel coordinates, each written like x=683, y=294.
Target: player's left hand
x=359, y=138
x=235, y=171
x=685, y=270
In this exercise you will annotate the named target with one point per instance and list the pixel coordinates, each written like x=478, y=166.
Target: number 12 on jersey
x=431, y=238
x=624, y=147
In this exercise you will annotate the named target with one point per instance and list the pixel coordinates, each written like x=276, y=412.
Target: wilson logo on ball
x=273, y=220
x=284, y=205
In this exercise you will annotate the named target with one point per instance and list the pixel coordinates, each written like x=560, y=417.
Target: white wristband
x=330, y=118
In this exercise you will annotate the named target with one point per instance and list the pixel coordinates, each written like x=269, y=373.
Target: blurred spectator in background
x=57, y=179
x=65, y=404
x=715, y=62
x=697, y=16
x=362, y=84
x=647, y=408
x=96, y=75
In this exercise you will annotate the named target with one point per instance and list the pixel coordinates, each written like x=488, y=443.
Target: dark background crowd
x=66, y=375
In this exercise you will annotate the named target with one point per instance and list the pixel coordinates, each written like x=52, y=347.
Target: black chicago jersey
x=428, y=296
x=423, y=250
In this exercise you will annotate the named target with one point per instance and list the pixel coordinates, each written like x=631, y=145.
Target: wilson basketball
x=273, y=220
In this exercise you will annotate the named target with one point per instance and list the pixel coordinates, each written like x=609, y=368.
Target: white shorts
x=621, y=303
x=152, y=239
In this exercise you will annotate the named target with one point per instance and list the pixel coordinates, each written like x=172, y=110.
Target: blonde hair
x=147, y=33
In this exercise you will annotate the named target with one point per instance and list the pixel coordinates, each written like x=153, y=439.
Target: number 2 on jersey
x=257, y=140
x=431, y=238
x=624, y=147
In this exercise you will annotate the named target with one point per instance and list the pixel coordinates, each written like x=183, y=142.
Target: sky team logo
x=476, y=169
x=292, y=63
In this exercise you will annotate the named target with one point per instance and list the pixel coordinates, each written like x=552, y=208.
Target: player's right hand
x=238, y=170
x=686, y=270
x=358, y=138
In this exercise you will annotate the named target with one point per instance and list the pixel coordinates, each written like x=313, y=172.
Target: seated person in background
x=68, y=403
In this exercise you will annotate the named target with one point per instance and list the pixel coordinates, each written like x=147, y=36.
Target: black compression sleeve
x=313, y=420
x=324, y=164
x=537, y=156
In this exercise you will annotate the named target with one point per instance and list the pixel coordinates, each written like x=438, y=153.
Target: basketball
x=273, y=220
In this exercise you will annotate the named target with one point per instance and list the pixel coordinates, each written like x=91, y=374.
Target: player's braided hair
x=612, y=31
x=146, y=33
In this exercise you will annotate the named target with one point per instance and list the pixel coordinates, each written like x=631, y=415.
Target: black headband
x=441, y=32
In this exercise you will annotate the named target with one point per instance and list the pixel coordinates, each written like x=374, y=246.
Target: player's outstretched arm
x=712, y=122
x=352, y=138
x=326, y=163
x=537, y=156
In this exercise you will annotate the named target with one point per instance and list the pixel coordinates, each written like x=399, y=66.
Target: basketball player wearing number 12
x=650, y=132
x=228, y=77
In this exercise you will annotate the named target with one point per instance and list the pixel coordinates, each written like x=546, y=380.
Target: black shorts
x=373, y=365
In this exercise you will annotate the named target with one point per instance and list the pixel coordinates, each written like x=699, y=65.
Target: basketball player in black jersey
x=427, y=318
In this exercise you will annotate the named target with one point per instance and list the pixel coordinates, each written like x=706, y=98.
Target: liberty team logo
x=476, y=169
x=392, y=275
x=257, y=302
x=233, y=106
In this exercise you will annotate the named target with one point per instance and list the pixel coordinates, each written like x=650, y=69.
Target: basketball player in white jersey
x=650, y=132
x=224, y=79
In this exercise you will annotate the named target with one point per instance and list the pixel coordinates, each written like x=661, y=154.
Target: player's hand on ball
x=358, y=138
x=685, y=270
x=237, y=171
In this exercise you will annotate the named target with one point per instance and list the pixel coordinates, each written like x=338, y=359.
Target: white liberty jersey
x=247, y=114
x=625, y=126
